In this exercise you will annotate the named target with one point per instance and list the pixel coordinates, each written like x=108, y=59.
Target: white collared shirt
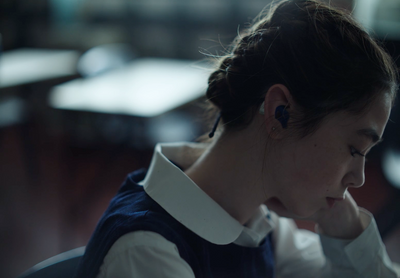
x=298, y=253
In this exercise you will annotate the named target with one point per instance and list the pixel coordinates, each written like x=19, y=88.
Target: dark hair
x=321, y=54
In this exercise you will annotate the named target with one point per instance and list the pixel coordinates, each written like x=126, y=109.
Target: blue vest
x=132, y=210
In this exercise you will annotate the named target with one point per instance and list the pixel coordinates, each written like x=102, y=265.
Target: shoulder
x=138, y=240
x=135, y=254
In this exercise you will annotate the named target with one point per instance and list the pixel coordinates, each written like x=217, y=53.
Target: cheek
x=318, y=172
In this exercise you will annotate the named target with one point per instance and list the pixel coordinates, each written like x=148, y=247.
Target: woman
x=302, y=98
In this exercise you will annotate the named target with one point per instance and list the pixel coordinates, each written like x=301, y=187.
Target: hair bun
x=218, y=88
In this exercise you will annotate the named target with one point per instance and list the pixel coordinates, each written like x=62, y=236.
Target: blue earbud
x=282, y=115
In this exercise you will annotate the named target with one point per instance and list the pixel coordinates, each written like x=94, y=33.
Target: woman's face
x=325, y=164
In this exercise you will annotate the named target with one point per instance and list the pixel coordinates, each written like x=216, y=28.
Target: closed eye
x=354, y=151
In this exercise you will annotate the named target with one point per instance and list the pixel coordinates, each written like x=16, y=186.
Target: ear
x=277, y=95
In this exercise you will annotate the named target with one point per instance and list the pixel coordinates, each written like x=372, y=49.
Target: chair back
x=62, y=265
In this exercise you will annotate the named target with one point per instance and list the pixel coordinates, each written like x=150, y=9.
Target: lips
x=337, y=199
x=331, y=201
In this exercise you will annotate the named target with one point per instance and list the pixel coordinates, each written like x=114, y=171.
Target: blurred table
x=146, y=87
x=20, y=68
x=28, y=65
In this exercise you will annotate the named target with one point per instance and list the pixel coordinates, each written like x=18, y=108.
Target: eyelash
x=354, y=151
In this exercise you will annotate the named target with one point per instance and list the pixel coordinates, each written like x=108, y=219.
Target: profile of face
x=326, y=163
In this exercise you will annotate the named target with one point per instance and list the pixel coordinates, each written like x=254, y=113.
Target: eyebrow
x=371, y=134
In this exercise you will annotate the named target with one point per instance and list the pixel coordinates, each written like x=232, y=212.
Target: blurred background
x=87, y=87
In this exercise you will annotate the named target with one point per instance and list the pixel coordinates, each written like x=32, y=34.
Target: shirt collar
x=173, y=190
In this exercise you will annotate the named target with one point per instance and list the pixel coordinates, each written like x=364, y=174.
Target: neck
x=231, y=172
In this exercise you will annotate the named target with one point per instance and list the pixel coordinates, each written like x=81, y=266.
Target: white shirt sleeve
x=301, y=253
x=144, y=254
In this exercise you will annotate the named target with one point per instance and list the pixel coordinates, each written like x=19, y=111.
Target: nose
x=356, y=176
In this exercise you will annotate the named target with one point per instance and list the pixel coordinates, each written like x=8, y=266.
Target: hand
x=341, y=221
